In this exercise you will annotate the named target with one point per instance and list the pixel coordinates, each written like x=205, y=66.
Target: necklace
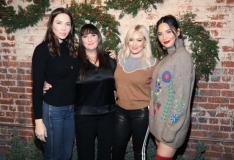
x=94, y=62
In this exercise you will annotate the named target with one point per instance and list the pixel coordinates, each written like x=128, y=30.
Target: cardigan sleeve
x=182, y=86
x=39, y=65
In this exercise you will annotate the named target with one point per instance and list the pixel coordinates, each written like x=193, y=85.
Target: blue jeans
x=60, y=125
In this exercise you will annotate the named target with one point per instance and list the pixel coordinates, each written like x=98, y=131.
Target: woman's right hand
x=40, y=130
x=46, y=87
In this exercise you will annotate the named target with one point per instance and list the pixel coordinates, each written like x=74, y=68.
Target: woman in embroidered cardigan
x=171, y=90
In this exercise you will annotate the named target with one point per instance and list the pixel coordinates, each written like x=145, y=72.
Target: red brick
x=2, y=38
x=11, y=58
x=214, y=120
x=219, y=135
x=228, y=156
x=28, y=90
x=11, y=38
x=209, y=106
x=22, y=102
x=202, y=120
x=219, y=86
x=214, y=32
x=198, y=134
x=212, y=154
x=17, y=89
x=226, y=78
x=220, y=1
x=8, y=44
x=24, y=77
x=218, y=100
x=217, y=148
x=7, y=51
x=8, y=83
x=227, y=64
x=10, y=64
x=12, y=114
x=24, y=83
x=225, y=128
x=202, y=85
x=200, y=99
x=227, y=149
x=211, y=8
x=209, y=92
x=10, y=95
x=208, y=127
x=228, y=93
x=225, y=121
x=230, y=1
x=26, y=64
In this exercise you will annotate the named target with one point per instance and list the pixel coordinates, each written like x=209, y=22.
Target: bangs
x=88, y=30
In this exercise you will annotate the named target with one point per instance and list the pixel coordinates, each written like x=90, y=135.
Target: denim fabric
x=59, y=122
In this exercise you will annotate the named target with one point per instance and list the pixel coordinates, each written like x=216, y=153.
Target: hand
x=46, y=87
x=40, y=130
x=112, y=54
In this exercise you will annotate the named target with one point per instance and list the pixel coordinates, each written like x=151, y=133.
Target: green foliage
x=85, y=13
x=25, y=17
x=130, y=6
x=204, y=48
x=34, y=149
x=17, y=149
x=200, y=149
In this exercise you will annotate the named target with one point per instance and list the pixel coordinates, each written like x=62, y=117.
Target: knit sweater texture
x=171, y=91
x=59, y=71
x=133, y=87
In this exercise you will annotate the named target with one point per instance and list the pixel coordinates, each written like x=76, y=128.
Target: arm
x=182, y=86
x=39, y=68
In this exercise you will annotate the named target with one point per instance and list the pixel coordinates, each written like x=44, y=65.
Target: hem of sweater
x=132, y=106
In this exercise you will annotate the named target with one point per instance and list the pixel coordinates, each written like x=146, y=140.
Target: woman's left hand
x=112, y=54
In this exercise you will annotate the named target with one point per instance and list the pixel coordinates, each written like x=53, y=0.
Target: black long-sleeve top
x=59, y=71
x=95, y=95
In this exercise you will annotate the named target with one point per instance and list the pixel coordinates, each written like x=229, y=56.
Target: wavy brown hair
x=51, y=38
x=85, y=30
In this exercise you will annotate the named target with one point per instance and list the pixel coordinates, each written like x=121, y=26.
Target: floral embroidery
x=174, y=118
x=168, y=103
x=166, y=76
x=178, y=109
x=158, y=87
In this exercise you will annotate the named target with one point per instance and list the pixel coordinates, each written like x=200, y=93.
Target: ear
x=178, y=32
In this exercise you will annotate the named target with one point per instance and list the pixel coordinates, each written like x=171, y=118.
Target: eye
x=84, y=36
x=159, y=34
x=131, y=39
x=168, y=31
x=139, y=40
x=68, y=24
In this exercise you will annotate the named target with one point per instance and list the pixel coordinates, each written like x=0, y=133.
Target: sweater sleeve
x=39, y=63
x=182, y=86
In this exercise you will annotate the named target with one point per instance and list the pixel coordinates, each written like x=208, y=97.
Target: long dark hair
x=85, y=30
x=51, y=38
x=172, y=23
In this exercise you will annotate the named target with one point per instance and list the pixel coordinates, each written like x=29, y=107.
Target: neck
x=136, y=55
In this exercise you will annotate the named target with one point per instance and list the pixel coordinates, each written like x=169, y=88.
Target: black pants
x=88, y=128
x=129, y=123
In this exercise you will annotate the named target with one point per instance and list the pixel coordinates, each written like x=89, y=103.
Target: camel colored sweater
x=171, y=90
x=133, y=85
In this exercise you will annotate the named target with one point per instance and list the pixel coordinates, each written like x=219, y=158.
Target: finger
x=45, y=133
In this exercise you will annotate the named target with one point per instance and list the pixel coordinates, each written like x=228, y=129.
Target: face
x=61, y=26
x=136, y=44
x=90, y=41
x=166, y=35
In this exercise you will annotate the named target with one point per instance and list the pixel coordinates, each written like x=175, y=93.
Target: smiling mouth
x=166, y=42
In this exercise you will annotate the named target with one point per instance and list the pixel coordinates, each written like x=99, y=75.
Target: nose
x=89, y=38
x=63, y=27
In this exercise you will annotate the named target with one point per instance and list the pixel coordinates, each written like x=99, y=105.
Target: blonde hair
x=147, y=53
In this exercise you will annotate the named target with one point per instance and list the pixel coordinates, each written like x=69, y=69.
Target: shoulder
x=110, y=60
x=41, y=50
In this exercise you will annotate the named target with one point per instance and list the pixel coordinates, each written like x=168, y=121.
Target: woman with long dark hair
x=55, y=61
x=171, y=90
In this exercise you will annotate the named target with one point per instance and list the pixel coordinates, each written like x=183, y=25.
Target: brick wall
x=213, y=107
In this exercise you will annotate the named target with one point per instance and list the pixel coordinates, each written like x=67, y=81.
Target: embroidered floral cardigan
x=171, y=90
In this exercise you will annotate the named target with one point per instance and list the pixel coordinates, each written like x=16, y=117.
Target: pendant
x=71, y=67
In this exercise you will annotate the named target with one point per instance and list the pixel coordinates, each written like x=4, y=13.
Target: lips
x=166, y=42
